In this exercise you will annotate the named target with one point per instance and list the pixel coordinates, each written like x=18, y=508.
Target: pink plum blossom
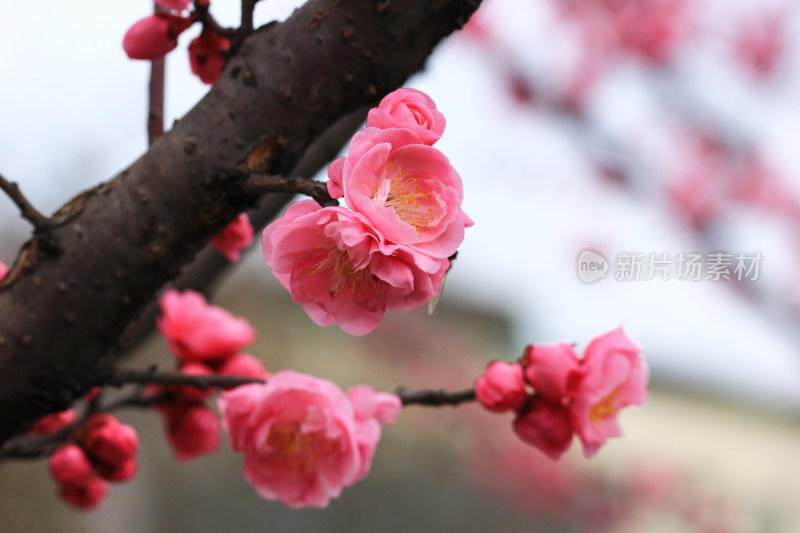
x=409, y=192
x=176, y=5
x=69, y=465
x=236, y=236
x=187, y=393
x=614, y=375
x=207, y=56
x=502, y=387
x=195, y=330
x=154, y=36
x=342, y=271
x=108, y=441
x=192, y=430
x=302, y=438
x=3, y=271
x=372, y=410
x=85, y=496
x=410, y=109
x=552, y=370
x=243, y=366
x=545, y=426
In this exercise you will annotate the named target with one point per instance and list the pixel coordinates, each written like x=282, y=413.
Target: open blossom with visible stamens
x=408, y=191
x=342, y=271
x=302, y=438
x=410, y=109
x=614, y=376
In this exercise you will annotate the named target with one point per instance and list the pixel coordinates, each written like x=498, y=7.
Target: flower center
x=605, y=408
x=342, y=274
x=401, y=192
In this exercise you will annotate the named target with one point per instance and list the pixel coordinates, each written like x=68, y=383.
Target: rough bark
x=75, y=287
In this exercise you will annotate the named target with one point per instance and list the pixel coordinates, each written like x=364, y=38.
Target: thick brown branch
x=61, y=313
x=435, y=398
x=259, y=185
x=28, y=212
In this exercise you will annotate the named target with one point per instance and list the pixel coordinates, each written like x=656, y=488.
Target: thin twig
x=28, y=212
x=259, y=184
x=435, y=398
x=155, y=115
x=124, y=376
x=248, y=6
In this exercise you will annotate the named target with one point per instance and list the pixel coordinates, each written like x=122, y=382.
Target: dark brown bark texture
x=76, y=287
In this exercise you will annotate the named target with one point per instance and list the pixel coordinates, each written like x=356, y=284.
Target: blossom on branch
x=410, y=109
x=154, y=36
x=195, y=330
x=236, y=236
x=342, y=271
x=3, y=271
x=614, y=376
x=303, y=439
x=207, y=56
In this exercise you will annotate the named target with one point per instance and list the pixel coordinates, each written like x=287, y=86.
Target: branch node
x=40, y=222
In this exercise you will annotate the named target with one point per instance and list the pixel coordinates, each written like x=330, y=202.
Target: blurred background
x=661, y=127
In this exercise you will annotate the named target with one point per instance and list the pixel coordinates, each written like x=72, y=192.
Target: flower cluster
x=570, y=395
x=206, y=340
x=303, y=439
x=391, y=247
x=103, y=450
x=236, y=236
x=156, y=35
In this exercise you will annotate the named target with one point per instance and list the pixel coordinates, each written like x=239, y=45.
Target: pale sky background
x=73, y=114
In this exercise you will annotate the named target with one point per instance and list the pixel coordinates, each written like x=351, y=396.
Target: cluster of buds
x=206, y=340
x=156, y=35
x=554, y=394
x=103, y=450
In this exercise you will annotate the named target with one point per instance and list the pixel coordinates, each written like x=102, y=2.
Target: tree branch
x=63, y=308
x=259, y=185
x=120, y=377
x=435, y=398
x=28, y=212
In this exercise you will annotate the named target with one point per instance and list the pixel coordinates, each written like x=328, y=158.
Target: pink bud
x=108, y=441
x=207, y=58
x=51, y=423
x=192, y=430
x=545, y=426
x=153, y=36
x=123, y=472
x=85, y=496
x=501, y=387
x=189, y=394
x=70, y=466
x=236, y=236
x=552, y=370
x=3, y=271
x=177, y=5
x=243, y=365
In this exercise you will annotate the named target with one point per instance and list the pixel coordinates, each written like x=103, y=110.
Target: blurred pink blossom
x=236, y=236
x=195, y=330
